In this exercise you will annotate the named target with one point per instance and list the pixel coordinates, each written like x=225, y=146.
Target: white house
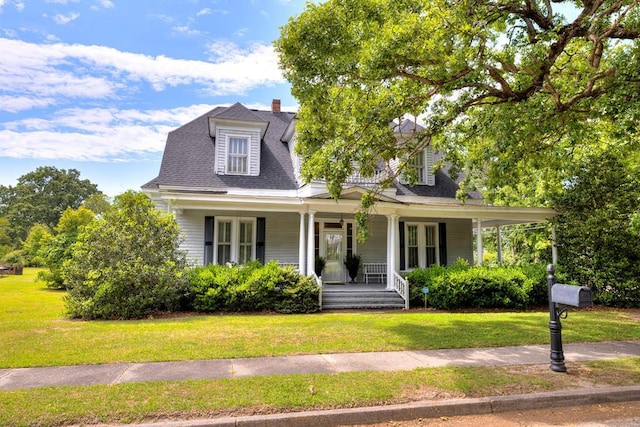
x=232, y=179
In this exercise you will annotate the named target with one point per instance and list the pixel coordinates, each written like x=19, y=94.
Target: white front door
x=334, y=256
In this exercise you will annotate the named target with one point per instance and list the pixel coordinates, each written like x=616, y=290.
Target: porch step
x=348, y=299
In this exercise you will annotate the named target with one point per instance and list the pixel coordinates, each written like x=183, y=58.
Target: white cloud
x=69, y=72
x=203, y=12
x=107, y=4
x=94, y=134
x=19, y=5
x=185, y=30
x=61, y=19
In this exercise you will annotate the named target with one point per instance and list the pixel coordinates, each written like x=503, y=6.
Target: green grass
x=34, y=331
x=139, y=402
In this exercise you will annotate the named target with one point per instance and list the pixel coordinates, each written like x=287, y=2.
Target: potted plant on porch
x=352, y=262
x=319, y=265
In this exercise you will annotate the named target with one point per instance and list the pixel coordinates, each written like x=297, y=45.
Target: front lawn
x=34, y=331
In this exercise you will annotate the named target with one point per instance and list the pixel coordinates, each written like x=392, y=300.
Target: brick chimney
x=275, y=106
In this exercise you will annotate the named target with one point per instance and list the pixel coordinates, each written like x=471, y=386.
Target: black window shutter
x=442, y=237
x=209, y=223
x=402, y=251
x=260, y=239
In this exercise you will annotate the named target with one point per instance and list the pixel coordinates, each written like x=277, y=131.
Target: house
x=232, y=179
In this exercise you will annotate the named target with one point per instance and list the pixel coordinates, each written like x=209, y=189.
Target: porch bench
x=375, y=271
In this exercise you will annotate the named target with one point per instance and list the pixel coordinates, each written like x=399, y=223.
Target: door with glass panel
x=334, y=255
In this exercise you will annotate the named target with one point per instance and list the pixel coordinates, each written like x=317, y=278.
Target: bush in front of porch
x=253, y=287
x=463, y=286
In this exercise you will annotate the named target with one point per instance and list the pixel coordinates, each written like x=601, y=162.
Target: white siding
x=192, y=224
x=459, y=240
x=282, y=237
x=375, y=248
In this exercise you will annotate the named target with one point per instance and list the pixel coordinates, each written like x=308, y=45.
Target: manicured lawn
x=127, y=403
x=34, y=331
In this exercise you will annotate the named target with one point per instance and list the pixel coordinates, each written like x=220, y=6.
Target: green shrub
x=13, y=258
x=253, y=287
x=127, y=264
x=461, y=286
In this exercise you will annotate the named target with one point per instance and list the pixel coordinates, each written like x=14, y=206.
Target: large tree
x=509, y=90
x=41, y=197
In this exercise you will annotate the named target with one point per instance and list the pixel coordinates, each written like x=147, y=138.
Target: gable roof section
x=237, y=114
x=189, y=154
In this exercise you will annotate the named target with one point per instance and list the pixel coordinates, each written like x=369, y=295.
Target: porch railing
x=401, y=286
x=357, y=179
x=318, y=281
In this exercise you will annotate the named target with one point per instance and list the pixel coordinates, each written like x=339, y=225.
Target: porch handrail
x=357, y=179
x=318, y=281
x=401, y=286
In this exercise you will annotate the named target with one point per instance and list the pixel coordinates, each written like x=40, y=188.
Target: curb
x=421, y=409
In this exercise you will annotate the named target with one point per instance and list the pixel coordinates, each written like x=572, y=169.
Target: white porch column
x=479, y=240
x=554, y=248
x=499, y=243
x=302, y=266
x=311, y=242
x=391, y=249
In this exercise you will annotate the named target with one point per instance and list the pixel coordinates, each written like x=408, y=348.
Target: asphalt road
x=626, y=414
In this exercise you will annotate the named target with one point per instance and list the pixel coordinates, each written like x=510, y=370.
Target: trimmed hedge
x=253, y=287
x=462, y=286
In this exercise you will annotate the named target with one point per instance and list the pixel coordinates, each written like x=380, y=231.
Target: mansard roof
x=189, y=154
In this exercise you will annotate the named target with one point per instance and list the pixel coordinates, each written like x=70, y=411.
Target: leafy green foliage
x=6, y=243
x=41, y=197
x=58, y=248
x=462, y=286
x=253, y=287
x=127, y=264
x=596, y=243
x=14, y=258
x=506, y=90
x=38, y=238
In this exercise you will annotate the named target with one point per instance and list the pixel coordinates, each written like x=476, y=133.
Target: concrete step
x=361, y=299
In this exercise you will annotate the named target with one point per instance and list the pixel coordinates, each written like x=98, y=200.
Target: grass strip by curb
x=138, y=402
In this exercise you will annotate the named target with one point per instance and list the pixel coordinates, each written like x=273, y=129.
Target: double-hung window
x=238, y=155
x=417, y=163
x=421, y=249
x=235, y=240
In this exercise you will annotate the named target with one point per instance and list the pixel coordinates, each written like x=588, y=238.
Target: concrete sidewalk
x=23, y=378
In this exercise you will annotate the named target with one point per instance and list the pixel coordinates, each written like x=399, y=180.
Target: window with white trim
x=235, y=240
x=237, y=155
x=417, y=163
x=420, y=166
x=421, y=245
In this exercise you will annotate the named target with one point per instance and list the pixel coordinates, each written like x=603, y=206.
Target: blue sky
x=96, y=85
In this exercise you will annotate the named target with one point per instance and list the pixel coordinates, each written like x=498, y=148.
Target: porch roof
x=424, y=208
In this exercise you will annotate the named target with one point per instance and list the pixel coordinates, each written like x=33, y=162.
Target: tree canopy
x=507, y=90
x=41, y=197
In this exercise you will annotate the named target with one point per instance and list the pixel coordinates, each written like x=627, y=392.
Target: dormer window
x=422, y=164
x=417, y=163
x=238, y=155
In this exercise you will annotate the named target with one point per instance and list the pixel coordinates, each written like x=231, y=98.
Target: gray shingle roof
x=189, y=154
x=189, y=157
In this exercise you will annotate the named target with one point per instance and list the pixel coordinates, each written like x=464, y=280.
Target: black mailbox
x=575, y=296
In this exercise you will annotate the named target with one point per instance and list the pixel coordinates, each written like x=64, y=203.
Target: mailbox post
x=565, y=295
